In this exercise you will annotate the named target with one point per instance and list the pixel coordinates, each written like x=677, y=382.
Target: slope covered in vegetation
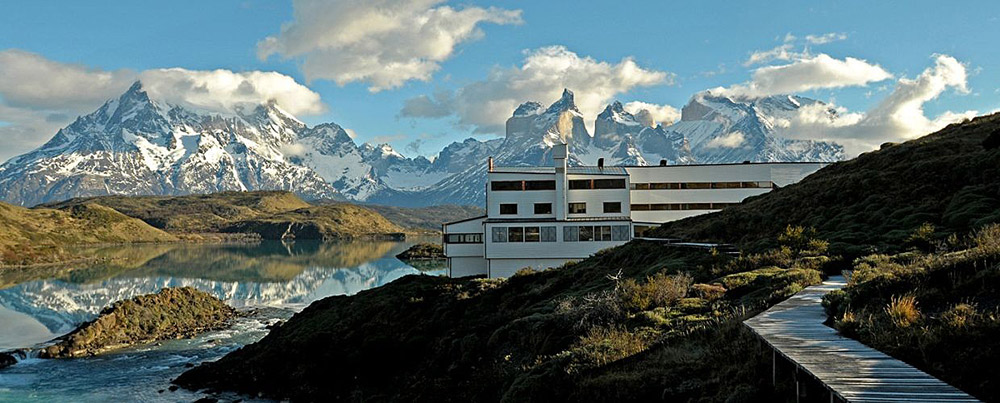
x=643, y=322
x=42, y=235
x=950, y=179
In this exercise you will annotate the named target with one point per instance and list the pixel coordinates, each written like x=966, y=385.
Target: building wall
x=466, y=266
x=560, y=249
x=507, y=267
x=526, y=199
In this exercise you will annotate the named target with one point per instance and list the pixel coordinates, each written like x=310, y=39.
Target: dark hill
x=950, y=179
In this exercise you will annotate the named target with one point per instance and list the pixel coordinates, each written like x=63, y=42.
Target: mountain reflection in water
x=288, y=275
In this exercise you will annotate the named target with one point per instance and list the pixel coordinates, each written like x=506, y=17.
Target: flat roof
x=552, y=219
x=578, y=170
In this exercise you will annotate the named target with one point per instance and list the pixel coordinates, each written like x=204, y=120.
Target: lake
x=273, y=279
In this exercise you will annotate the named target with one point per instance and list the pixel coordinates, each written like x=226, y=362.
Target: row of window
x=701, y=185
x=595, y=233
x=681, y=206
x=575, y=184
x=572, y=208
x=463, y=238
x=571, y=233
x=524, y=234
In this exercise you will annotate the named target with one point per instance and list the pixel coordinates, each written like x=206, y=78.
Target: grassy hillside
x=647, y=322
x=196, y=213
x=426, y=218
x=42, y=235
x=269, y=214
x=948, y=179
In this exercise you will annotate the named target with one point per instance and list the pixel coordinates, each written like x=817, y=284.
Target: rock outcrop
x=172, y=313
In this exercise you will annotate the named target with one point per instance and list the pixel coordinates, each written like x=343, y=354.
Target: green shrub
x=658, y=290
x=709, y=292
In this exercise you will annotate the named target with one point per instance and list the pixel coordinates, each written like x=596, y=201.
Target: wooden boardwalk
x=850, y=370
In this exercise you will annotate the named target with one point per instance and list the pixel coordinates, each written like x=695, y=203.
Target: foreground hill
x=43, y=235
x=950, y=179
x=640, y=322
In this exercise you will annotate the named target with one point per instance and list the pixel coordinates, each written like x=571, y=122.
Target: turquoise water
x=271, y=279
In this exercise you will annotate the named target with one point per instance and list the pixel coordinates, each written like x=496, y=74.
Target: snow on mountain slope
x=134, y=145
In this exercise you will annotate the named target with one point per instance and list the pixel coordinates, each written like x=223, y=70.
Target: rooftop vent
x=663, y=163
x=600, y=162
x=746, y=162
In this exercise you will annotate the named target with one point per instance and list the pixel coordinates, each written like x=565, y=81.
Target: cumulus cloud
x=384, y=43
x=38, y=96
x=221, y=90
x=485, y=105
x=899, y=116
x=733, y=139
x=804, y=74
x=792, y=48
x=657, y=114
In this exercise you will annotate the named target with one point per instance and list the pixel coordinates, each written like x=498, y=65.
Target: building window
x=540, y=185
x=506, y=185
x=640, y=230
x=612, y=207
x=548, y=234
x=609, y=183
x=543, y=208
x=532, y=234
x=578, y=208
x=571, y=233
x=701, y=185
x=515, y=234
x=463, y=238
x=579, y=184
x=639, y=207
x=508, y=208
x=681, y=206
x=499, y=234
x=596, y=233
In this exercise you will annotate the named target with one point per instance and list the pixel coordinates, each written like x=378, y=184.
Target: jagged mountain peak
x=528, y=108
x=565, y=103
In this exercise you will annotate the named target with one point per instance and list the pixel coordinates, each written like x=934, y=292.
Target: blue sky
x=693, y=45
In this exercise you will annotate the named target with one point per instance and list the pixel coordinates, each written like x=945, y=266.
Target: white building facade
x=542, y=217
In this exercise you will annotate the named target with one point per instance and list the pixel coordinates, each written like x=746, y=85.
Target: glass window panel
x=540, y=185
x=609, y=183
x=571, y=233
x=515, y=234
x=605, y=232
x=699, y=206
x=510, y=208
x=499, y=234
x=612, y=207
x=659, y=186
x=619, y=233
x=696, y=185
x=505, y=185
x=548, y=234
x=640, y=186
x=543, y=208
x=586, y=233
x=578, y=208
x=579, y=184
x=640, y=207
x=531, y=234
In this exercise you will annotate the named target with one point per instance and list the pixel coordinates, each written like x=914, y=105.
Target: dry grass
x=903, y=311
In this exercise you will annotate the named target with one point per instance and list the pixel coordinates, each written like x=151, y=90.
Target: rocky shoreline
x=172, y=313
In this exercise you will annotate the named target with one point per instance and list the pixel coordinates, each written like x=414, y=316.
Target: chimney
x=663, y=163
x=559, y=155
x=600, y=162
x=489, y=164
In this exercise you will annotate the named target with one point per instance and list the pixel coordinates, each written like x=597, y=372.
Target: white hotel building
x=543, y=217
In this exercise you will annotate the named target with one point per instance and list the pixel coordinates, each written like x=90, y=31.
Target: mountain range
x=135, y=145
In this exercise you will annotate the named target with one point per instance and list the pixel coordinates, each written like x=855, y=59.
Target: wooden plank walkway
x=850, y=370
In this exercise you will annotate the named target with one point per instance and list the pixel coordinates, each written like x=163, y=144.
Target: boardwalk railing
x=849, y=370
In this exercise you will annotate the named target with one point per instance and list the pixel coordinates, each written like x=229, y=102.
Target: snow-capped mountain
x=134, y=145
x=723, y=129
x=137, y=145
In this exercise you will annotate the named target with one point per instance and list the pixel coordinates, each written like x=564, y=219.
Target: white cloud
x=384, y=43
x=39, y=96
x=220, y=90
x=899, y=116
x=820, y=71
x=784, y=51
x=659, y=114
x=826, y=38
x=351, y=133
x=486, y=105
x=733, y=139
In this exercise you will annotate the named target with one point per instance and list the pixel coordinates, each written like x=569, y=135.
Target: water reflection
x=266, y=274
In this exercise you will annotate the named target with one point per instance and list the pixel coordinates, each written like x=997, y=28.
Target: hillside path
x=850, y=370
